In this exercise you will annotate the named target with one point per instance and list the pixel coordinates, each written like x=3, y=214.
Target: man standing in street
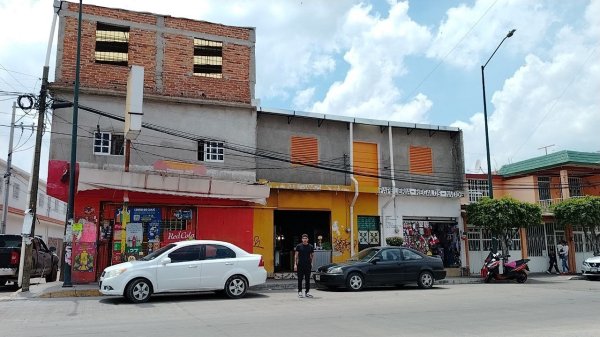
x=303, y=264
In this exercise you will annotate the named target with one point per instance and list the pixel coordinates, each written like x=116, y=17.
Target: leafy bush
x=394, y=241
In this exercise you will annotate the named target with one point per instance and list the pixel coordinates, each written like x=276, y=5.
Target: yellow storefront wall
x=336, y=202
x=263, y=236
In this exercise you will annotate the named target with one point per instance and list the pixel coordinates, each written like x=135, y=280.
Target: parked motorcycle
x=513, y=270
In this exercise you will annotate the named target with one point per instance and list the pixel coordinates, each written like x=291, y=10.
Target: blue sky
x=410, y=61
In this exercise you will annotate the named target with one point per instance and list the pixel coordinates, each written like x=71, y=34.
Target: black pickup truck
x=45, y=261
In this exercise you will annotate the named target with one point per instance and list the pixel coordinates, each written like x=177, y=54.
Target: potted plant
x=394, y=241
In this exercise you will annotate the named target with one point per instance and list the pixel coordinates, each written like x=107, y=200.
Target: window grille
x=112, y=44
x=575, y=187
x=211, y=151
x=208, y=58
x=544, y=188
x=106, y=143
x=478, y=188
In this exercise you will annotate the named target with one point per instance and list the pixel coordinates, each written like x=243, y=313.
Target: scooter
x=513, y=270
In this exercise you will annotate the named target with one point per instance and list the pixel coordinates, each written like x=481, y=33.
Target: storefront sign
x=422, y=193
x=174, y=236
x=151, y=216
x=135, y=234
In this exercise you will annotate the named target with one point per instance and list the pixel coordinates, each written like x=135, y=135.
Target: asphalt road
x=553, y=306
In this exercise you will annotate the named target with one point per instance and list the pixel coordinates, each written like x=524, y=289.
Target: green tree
x=584, y=212
x=503, y=217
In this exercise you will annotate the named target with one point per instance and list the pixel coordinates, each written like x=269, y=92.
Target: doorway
x=289, y=227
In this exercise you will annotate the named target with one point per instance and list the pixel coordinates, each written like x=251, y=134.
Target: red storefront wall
x=234, y=225
x=229, y=221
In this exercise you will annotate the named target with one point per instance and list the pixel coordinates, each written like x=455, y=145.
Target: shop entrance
x=448, y=243
x=289, y=227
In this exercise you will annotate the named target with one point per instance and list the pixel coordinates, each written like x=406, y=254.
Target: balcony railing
x=546, y=205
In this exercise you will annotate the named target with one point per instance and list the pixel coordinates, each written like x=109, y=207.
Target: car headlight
x=585, y=264
x=114, y=273
x=335, y=270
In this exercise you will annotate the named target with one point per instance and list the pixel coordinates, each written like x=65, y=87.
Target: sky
x=409, y=61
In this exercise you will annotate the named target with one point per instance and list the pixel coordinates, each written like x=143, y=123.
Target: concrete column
x=564, y=183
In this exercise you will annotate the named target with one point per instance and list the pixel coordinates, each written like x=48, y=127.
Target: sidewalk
x=40, y=289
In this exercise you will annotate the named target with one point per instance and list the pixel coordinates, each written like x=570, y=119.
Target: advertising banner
x=151, y=216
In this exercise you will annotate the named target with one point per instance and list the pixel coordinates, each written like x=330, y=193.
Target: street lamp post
x=487, y=138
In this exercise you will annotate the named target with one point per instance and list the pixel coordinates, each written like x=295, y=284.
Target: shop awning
x=172, y=184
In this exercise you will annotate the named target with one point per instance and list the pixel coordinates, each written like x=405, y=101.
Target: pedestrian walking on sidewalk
x=303, y=264
x=553, y=262
x=563, y=253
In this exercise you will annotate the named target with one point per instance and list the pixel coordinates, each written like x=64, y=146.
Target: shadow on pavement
x=182, y=297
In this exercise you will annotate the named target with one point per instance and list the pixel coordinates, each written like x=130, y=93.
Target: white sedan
x=591, y=268
x=193, y=265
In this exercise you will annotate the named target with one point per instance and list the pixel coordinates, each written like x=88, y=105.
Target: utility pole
x=8, y=169
x=35, y=178
x=35, y=173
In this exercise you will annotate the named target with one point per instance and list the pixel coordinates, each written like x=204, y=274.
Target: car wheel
x=138, y=291
x=425, y=280
x=236, y=286
x=53, y=274
x=355, y=281
x=522, y=278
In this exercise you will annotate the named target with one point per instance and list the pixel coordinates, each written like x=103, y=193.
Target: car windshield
x=365, y=254
x=157, y=253
x=10, y=241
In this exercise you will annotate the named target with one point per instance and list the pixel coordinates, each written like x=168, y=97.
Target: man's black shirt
x=304, y=252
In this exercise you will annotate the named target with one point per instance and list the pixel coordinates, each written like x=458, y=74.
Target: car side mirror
x=166, y=260
x=375, y=260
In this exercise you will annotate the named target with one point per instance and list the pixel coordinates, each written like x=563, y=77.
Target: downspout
x=355, y=189
x=393, y=198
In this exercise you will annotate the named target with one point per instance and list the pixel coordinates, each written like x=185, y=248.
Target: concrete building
x=187, y=174
x=355, y=182
x=50, y=211
x=545, y=180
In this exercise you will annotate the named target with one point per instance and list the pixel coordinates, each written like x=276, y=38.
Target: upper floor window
x=304, y=150
x=211, y=151
x=106, y=143
x=208, y=58
x=112, y=44
x=420, y=160
x=575, y=187
x=16, y=190
x=478, y=188
x=544, y=188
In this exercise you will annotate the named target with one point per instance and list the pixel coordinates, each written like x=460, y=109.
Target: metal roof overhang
x=172, y=184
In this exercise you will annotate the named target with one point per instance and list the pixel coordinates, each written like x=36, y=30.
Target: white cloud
x=303, y=98
x=376, y=48
x=546, y=101
x=467, y=36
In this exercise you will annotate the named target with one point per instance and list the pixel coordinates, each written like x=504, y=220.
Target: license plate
x=317, y=277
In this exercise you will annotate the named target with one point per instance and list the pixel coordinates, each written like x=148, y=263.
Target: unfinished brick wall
x=176, y=75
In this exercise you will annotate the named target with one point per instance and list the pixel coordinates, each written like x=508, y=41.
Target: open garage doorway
x=289, y=227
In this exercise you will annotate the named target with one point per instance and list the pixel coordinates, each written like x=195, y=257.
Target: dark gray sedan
x=382, y=266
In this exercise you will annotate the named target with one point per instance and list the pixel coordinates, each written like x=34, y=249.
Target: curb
x=71, y=293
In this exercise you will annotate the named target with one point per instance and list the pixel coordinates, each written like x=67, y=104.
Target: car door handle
x=192, y=266
x=229, y=263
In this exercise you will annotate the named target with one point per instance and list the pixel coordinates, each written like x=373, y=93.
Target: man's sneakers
x=307, y=295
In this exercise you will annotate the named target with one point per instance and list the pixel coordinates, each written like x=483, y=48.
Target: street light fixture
x=487, y=140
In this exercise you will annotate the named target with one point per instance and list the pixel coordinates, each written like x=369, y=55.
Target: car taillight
x=261, y=263
x=14, y=257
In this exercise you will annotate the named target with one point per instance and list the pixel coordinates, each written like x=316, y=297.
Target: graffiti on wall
x=256, y=242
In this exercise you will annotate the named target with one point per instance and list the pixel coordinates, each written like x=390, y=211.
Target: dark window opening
x=112, y=44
